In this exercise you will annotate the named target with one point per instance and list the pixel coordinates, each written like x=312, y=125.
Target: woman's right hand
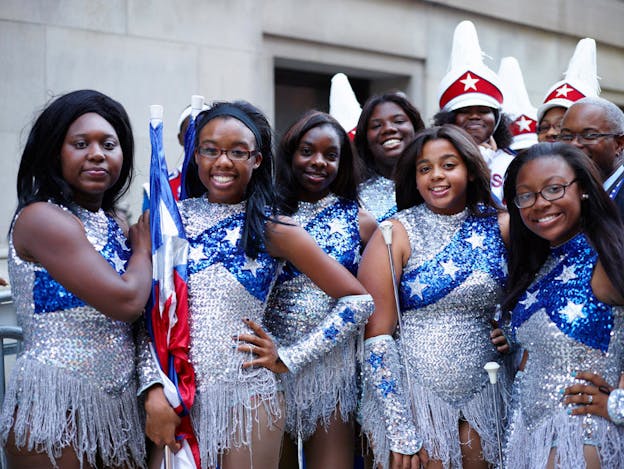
x=409, y=461
x=161, y=420
x=139, y=236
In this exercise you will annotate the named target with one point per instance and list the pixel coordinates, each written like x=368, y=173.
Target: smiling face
x=558, y=220
x=551, y=122
x=442, y=177
x=91, y=159
x=389, y=132
x=226, y=180
x=316, y=161
x=478, y=121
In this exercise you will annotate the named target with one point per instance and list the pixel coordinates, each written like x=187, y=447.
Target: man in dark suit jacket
x=596, y=126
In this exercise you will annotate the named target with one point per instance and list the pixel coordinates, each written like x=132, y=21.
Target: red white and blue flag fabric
x=167, y=315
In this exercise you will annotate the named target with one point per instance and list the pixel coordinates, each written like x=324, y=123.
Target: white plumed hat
x=517, y=104
x=468, y=82
x=580, y=80
x=343, y=105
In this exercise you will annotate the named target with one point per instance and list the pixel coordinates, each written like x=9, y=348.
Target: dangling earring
x=584, y=196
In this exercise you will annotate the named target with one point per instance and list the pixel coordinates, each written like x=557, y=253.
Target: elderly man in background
x=596, y=126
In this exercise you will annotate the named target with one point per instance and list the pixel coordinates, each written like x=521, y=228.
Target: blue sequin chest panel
x=336, y=231
x=477, y=246
x=219, y=244
x=565, y=294
x=49, y=295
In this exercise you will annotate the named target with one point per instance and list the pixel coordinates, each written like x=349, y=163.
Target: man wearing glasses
x=596, y=126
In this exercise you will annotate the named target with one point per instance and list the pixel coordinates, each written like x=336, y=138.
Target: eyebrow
x=214, y=142
x=547, y=182
x=443, y=157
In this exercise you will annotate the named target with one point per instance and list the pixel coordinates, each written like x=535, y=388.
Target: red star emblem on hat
x=565, y=91
x=467, y=84
x=523, y=125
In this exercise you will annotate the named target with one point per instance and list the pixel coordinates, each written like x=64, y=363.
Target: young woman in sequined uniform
x=235, y=243
x=316, y=173
x=426, y=394
x=565, y=282
x=77, y=287
x=386, y=126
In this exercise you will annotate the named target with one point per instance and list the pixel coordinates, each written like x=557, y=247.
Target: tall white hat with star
x=581, y=79
x=468, y=82
x=343, y=105
x=517, y=104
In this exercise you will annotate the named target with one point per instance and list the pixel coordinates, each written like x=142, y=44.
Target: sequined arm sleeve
x=343, y=320
x=615, y=406
x=385, y=413
x=147, y=368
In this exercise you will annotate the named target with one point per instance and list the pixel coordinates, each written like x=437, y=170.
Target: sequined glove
x=342, y=321
x=384, y=398
x=615, y=406
x=147, y=369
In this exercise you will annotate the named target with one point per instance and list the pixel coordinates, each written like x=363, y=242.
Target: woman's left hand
x=261, y=345
x=497, y=337
x=589, y=398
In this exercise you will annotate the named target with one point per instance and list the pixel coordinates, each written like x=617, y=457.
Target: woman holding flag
x=78, y=287
x=235, y=240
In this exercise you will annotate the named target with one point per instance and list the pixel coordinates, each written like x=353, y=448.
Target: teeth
x=546, y=219
x=439, y=189
x=391, y=142
x=222, y=179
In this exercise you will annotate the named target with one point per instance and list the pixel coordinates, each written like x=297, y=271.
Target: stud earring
x=584, y=196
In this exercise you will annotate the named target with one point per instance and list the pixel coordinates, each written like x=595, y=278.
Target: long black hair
x=345, y=184
x=501, y=134
x=360, y=141
x=260, y=191
x=478, y=188
x=600, y=221
x=39, y=177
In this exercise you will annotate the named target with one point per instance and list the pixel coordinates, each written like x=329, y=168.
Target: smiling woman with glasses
x=564, y=294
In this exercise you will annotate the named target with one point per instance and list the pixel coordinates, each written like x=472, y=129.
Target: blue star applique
x=331, y=332
x=375, y=360
x=387, y=386
x=347, y=316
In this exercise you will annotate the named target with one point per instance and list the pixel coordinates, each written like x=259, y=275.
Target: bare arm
x=602, y=287
x=293, y=243
x=50, y=236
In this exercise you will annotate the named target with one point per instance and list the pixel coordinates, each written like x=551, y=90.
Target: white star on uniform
x=573, y=311
x=122, y=242
x=567, y=274
x=232, y=235
x=336, y=226
x=119, y=264
x=469, y=82
x=529, y=300
x=564, y=90
x=416, y=287
x=523, y=123
x=449, y=268
x=251, y=265
x=197, y=253
x=476, y=240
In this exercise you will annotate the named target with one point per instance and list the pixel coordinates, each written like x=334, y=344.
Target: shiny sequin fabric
x=448, y=294
x=225, y=286
x=297, y=306
x=564, y=328
x=615, y=406
x=388, y=418
x=74, y=384
x=377, y=196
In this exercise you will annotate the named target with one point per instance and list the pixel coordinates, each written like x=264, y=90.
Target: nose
x=575, y=141
x=551, y=134
x=540, y=201
x=223, y=160
x=318, y=160
x=96, y=152
x=435, y=173
x=388, y=127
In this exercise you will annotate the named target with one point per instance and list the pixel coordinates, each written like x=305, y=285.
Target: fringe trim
x=50, y=409
x=315, y=393
x=224, y=415
x=436, y=423
x=530, y=450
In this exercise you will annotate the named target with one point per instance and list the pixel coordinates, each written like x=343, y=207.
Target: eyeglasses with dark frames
x=550, y=193
x=234, y=154
x=584, y=138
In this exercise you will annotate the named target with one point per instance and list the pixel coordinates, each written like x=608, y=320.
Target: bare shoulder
x=367, y=223
x=602, y=287
x=503, y=224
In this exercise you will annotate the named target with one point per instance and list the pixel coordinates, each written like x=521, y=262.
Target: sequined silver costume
x=564, y=328
x=225, y=286
x=74, y=384
x=448, y=294
x=378, y=197
x=297, y=306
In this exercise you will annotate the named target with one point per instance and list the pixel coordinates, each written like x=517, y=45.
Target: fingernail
x=573, y=374
x=569, y=411
x=561, y=391
x=234, y=346
x=234, y=337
